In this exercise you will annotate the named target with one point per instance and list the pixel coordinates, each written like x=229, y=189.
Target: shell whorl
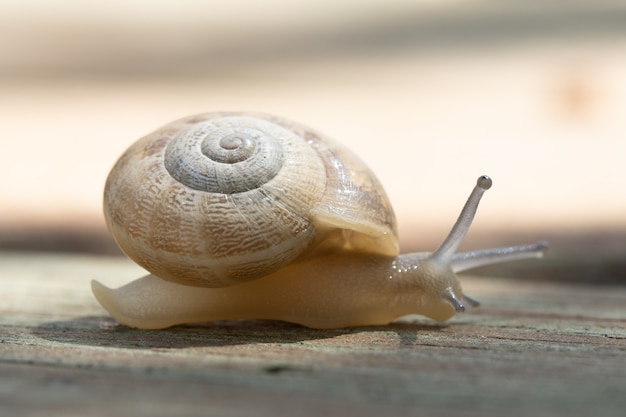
x=225, y=156
x=213, y=200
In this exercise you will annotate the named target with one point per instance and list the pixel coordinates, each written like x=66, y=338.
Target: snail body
x=243, y=215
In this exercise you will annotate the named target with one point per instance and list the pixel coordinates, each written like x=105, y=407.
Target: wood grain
x=532, y=348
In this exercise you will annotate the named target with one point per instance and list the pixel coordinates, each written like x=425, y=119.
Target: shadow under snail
x=252, y=216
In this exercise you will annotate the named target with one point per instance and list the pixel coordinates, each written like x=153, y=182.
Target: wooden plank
x=531, y=349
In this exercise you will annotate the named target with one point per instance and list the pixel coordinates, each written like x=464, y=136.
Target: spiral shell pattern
x=215, y=199
x=220, y=157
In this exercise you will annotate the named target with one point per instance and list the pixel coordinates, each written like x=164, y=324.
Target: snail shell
x=217, y=199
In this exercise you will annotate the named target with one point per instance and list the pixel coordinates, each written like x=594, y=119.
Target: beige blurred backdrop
x=430, y=94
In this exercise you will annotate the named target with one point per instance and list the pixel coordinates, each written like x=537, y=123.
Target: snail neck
x=423, y=285
x=430, y=280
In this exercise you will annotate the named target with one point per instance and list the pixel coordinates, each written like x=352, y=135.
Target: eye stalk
x=446, y=258
x=445, y=252
x=484, y=182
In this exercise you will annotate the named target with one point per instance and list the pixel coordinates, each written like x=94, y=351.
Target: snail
x=252, y=216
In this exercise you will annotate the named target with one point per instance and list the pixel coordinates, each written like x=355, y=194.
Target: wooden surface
x=533, y=348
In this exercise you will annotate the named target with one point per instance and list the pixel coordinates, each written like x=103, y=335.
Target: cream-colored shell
x=318, y=198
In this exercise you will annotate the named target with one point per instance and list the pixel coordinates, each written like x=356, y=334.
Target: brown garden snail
x=244, y=215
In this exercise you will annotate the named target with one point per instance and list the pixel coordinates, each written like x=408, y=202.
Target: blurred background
x=430, y=94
